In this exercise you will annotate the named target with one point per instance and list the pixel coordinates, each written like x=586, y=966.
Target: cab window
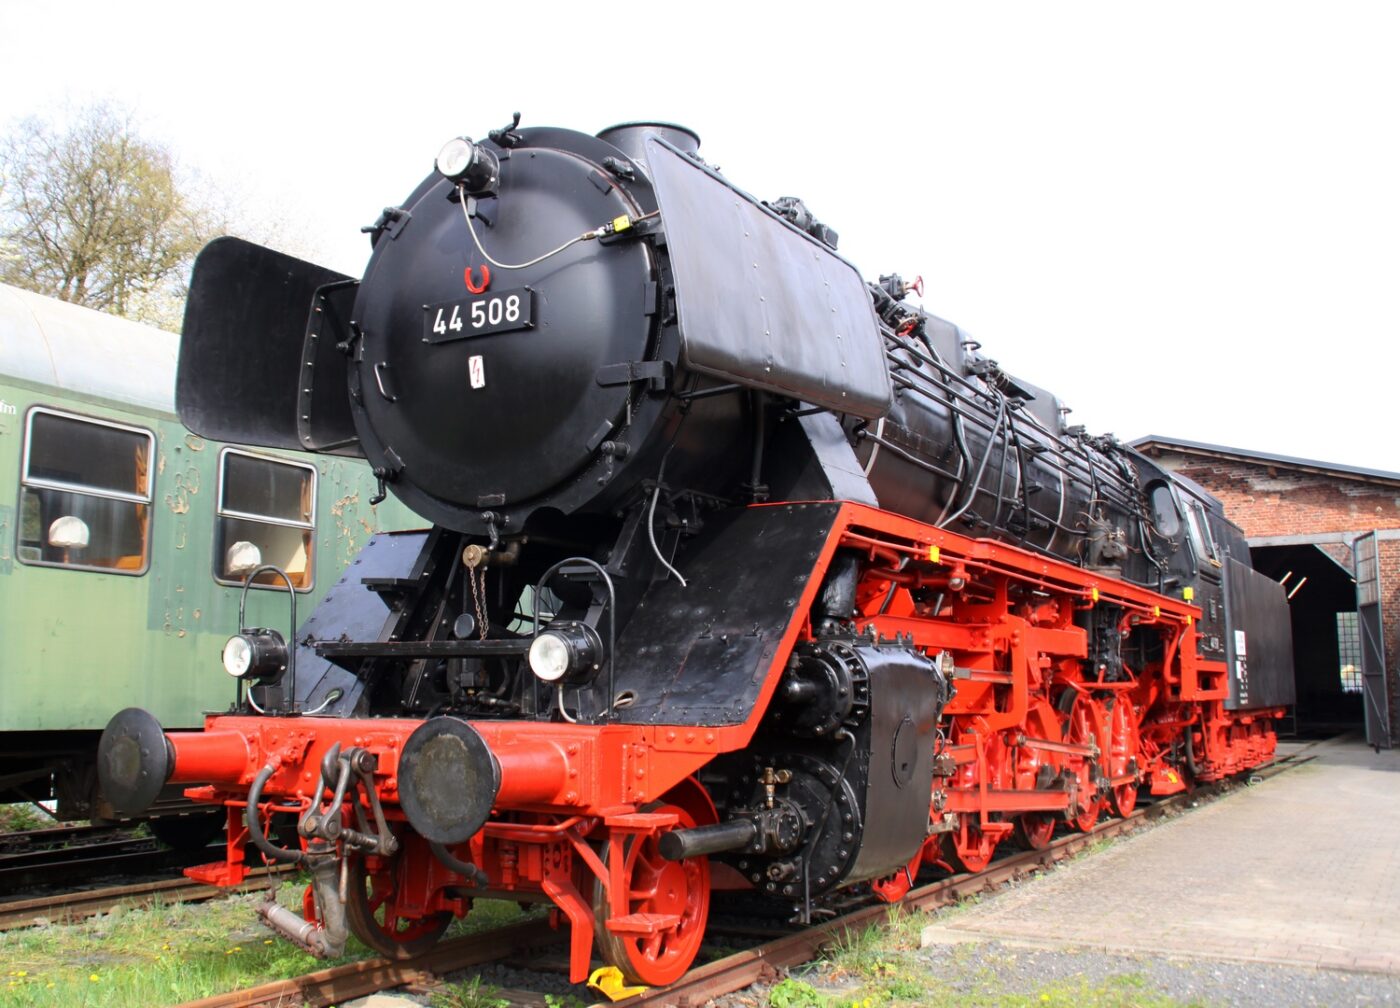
x=1201, y=539
x=85, y=494
x=1166, y=519
x=266, y=515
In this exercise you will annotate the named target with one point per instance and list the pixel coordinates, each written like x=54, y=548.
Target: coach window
x=85, y=494
x=266, y=515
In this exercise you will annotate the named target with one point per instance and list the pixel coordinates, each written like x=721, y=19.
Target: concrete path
x=1303, y=868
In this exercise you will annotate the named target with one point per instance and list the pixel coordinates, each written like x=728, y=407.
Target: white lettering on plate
x=476, y=369
x=1242, y=666
x=7, y=409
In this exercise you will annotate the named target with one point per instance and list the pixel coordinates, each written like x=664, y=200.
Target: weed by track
x=166, y=954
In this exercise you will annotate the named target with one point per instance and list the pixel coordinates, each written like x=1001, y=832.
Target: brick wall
x=1274, y=500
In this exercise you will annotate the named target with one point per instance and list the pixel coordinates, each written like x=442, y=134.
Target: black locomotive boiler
x=743, y=571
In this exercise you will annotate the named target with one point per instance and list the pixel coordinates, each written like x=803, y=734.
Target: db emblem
x=476, y=370
x=473, y=285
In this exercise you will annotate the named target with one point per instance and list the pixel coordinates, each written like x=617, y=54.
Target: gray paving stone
x=1301, y=868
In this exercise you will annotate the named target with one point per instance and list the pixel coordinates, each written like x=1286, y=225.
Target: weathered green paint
x=76, y=646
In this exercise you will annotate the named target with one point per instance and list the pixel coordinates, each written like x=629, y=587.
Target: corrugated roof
x=86, y=352
x=1142, y=444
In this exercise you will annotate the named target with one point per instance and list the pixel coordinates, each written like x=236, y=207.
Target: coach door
x=1368, y=614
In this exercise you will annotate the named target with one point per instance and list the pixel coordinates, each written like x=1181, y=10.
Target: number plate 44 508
x=479, y=315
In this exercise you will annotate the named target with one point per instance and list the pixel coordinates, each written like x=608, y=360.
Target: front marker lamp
x=570, y=652
x=257, y=655
x=470, y=165
x=455, y=157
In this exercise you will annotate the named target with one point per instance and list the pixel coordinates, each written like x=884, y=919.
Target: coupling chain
x=474, y=559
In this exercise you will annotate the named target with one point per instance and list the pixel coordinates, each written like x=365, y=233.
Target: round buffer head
x=134, y=760
x=448, y=780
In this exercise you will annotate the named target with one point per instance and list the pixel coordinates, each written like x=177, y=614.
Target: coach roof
x=44, y=341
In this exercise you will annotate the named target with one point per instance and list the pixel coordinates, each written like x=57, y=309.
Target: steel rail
x=134, y=855
x=49, y=837
x=338, y=984
x=17, y=863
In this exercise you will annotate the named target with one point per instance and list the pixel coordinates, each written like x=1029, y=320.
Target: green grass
x=1096, y=846
x=24, y=816
x=171, y=953
x=152, y=957
x=469, y=994
x=794, y=993
x=562, y=1001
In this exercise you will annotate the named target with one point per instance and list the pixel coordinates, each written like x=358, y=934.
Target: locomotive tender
x=745, y=572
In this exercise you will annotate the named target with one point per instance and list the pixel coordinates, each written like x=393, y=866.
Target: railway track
x=761, y=963
x=339, y=983
x=52, y=836
x=69, y=854
x=69, y=908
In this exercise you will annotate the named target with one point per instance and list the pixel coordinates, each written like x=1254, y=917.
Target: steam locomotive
x=743, y=573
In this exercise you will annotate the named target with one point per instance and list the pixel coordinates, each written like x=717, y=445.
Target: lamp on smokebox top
x=566, y=652
x=468, y=164
x=256, y=655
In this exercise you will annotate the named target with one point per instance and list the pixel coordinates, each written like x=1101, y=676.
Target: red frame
x=573, y=796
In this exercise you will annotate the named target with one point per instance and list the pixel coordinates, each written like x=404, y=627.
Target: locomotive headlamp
x=455, y=157
x=470, y=165
x=259, y=655
x=571, y=652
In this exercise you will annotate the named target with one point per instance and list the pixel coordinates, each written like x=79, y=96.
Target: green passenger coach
x=125, y=541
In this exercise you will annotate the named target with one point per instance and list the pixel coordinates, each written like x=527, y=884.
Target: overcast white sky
x=1183, y=219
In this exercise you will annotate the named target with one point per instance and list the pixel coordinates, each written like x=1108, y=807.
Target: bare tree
x=96, y=215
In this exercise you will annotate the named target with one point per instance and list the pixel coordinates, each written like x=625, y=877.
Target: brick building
x=1307, y=524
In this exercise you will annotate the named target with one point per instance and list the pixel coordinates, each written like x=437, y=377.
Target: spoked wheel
x=1122, y=755
x=1123, y=799
x=1034, y=769
x=968, y=848
x=372, y=910
x=1082, y=730
x=1034, y=830
x=1090, y=808
x=678, y=889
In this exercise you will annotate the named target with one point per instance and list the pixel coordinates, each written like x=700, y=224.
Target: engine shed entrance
x=1326, y=639
x=1331, y=535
